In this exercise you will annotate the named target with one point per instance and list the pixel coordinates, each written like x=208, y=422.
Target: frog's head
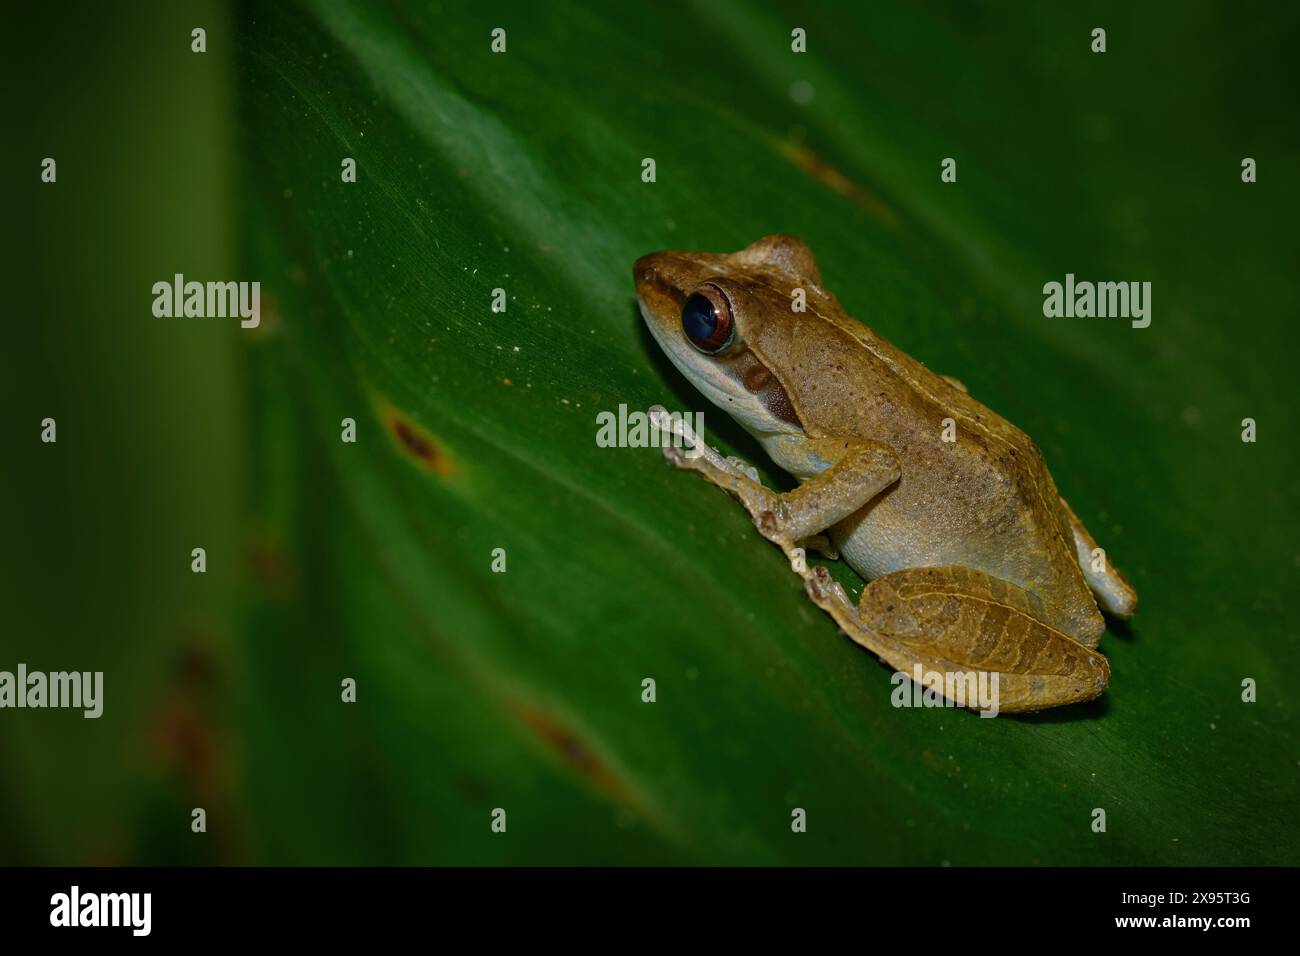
x=711, y=314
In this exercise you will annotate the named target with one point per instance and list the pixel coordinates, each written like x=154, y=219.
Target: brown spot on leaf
x=418, y=443
x=268, y=319
x=828, y=175
x=189, y=738
x=183, y=730
x=271, y=568
x=566, y=744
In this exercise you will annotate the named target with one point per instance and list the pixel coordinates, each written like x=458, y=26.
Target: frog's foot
x=828, y=594
x=691, y=447
x=732, y=475
x=1112, y=590
x=958, y=623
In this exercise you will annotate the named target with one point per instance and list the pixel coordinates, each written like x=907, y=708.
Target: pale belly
x=966, y=517
x=879, y=540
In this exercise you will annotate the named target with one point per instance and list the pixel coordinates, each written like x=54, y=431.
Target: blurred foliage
x=99, y=526
x=476, y=431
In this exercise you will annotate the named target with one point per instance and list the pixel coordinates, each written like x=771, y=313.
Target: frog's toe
x=674, y=456
x=825, y=591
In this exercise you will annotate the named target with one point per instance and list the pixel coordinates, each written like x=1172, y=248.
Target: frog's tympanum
x=974, y=560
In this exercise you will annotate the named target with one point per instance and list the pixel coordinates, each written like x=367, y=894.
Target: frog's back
x=984, y=500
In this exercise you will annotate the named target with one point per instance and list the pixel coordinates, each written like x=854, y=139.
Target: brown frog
x=975, y=562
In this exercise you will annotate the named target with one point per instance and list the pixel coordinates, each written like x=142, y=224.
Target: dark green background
x=522, y=171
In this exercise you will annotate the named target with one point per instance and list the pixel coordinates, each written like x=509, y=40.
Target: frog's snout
x=645, y=273
x=658, y=286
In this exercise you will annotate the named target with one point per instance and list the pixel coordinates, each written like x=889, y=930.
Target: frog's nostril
x=645, y=275
x=646, y=267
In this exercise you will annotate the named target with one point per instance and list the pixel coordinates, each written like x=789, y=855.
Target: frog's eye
x=706, y=319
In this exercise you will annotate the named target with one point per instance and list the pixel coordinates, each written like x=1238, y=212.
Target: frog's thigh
x=958, y=621
x=1113, y=592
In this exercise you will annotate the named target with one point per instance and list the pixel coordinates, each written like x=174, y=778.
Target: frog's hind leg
x=1113, y=592
x=958, y=623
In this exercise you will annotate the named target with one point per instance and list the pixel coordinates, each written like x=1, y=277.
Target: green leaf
x=522, y=171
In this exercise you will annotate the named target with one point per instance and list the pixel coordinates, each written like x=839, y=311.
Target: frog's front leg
x=820, y=543
x=854, y=471
x=959, y=621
